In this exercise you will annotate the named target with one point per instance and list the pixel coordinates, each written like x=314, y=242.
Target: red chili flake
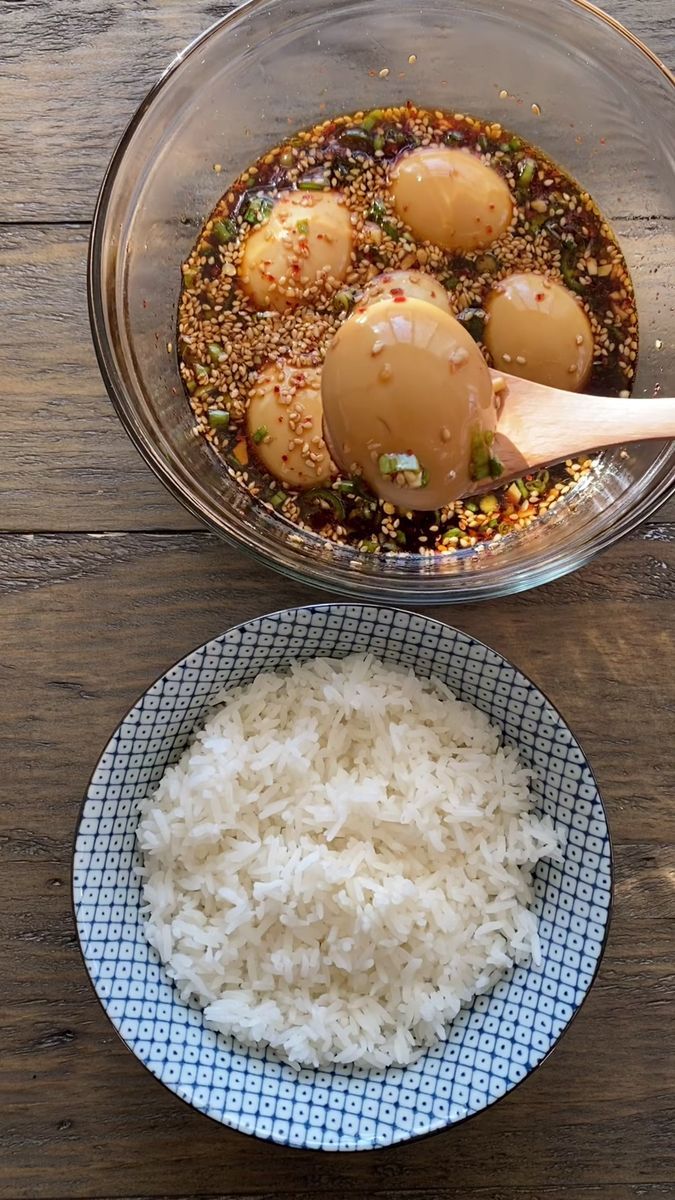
x=488, y=229
x=399, y=299
x=397, y=292
x=603, y=141
x=540, y=296
x=360, y=310
x=284, y=458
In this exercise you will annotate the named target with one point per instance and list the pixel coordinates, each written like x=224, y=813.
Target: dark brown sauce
x=222, y=340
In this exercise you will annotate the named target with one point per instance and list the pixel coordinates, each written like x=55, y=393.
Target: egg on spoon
x=407, y=395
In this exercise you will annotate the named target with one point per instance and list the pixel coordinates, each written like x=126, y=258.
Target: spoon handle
x=539, y=425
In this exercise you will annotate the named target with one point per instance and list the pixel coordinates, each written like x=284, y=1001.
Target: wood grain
x=75, y=74
x=87, y=622
x=65, y=461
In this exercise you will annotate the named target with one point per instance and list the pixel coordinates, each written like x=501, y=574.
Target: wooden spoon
x=540, y=425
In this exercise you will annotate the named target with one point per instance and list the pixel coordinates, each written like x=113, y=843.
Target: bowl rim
x=308, y=569
x=327, y=607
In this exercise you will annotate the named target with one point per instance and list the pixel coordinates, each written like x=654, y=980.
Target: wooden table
x=105, y=581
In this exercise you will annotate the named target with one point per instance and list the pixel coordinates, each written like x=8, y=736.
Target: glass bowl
x=579, y=85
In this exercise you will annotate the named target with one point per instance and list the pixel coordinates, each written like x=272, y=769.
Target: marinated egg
x=307, y=237
x=406, y=392
x=449, y=197
x=536, y=329
x=416, y=285
x=284, y=425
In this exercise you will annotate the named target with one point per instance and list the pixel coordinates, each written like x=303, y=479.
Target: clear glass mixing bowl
x=607, y=113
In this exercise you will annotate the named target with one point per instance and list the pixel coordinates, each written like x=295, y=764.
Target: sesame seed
x=384, y=73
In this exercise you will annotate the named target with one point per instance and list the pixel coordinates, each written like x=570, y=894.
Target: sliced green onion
x=450, y=535
x=201, y=373
x=424, y=481
x=317, y=184
x=568, y=266
x=189, y=278
x=521, y=488
x=471, y=506
x=370, y=547
x=454, y=137
x=302, y=227
x=526, y=172
x=278, y=499
x=536, y=221
x=488, y=504
x=224, y=231
x=202, y=392
x=327, y=496
x=218, y=418
x=379, y=142
x=216, y=352
x=391, y=464
x=496, y=468
x=343, y=301
x=372, y=119
x=259, y=208
x=191, y=386
x=515, y=144
x=260, y=434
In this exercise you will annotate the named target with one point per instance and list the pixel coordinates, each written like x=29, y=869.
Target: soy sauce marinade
x=224, y=343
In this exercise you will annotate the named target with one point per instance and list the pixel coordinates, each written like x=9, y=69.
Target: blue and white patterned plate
x=491, y=1046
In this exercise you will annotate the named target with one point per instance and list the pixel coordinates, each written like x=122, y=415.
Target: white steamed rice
x=340, y=861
